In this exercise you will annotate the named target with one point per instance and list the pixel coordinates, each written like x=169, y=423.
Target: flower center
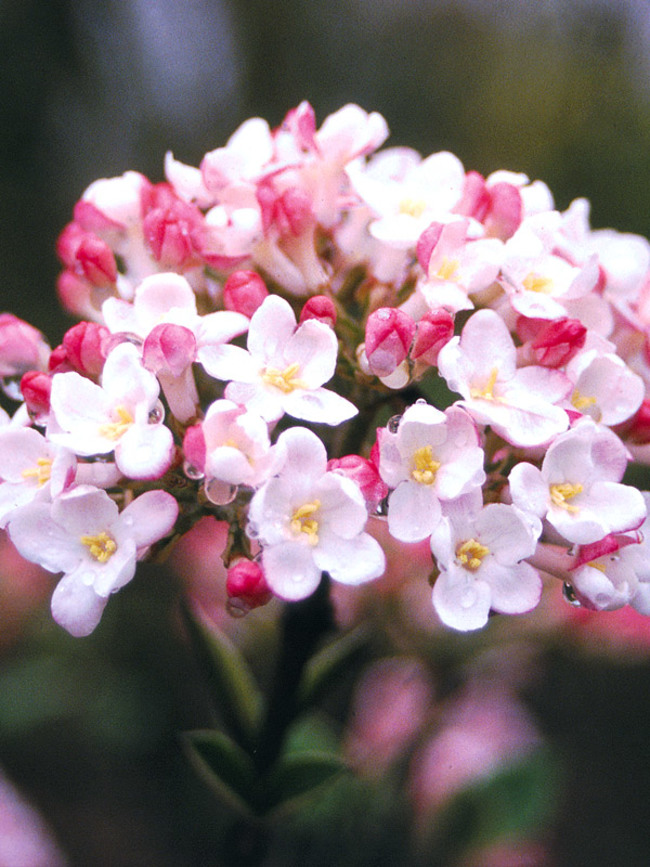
x=412, y=207
x=448, y=269
x=536, y=283
x=303, y=522
x=100, y=547
x=286, y=380
x=41, y=472
x=115, y=429
x=424, y=467
x=563, y=492
x=581, y=401
x=487, y=392
x=470, y=554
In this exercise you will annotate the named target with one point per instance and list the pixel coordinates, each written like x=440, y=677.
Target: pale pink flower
x=120, y=415
x=577, y=489
x=519, y=404
x=309, y=520
x=284, y=367
x=433, y=456
x=82, y=534
x=481, y=556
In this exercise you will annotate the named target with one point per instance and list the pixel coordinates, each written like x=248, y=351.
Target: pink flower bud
x=194, y=447
x=427, y=243
x=301, y=123
x=35, y=387
x=505, y=211
x=243, y=292
x=290, y=211
x=169, y=349
x=365, y=474
x=171, y=227
x=475, y=198
x=433, y=331
x=319, y=307
x=550, y=343
x=246, y=586
x=85, y=347
x=22, y=347
x=389, y=332
x=87, y=255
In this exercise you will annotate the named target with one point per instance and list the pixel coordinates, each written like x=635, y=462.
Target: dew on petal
x=157, y=414
x=393, y=423
x=569, y=595
x=237, y=607
x=192, y=472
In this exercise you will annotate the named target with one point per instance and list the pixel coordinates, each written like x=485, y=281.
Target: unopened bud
x=22, y=347
x=243, y=292
x=194, y=447
x=35, y=387
x=319, y=307
x=550, y=343
x=433, y=331
x=365, y=474
x=389, y=333
x=246, y=586
x=86, y=347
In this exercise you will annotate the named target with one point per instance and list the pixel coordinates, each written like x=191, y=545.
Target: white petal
x=270, y=329
x=515, y=589
x=413, y=512
x=351, y=561
x=314, y=348
x=145, y=451
x=227, y=362
x=319, y=405
x=41, y=540
x=290, y=570
x=149, y=517
x=461, y=601
x=76, y=607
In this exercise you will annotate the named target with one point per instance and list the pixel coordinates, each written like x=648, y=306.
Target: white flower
x=309, y=520
x=433, y=456
x=577, y=489
x=30, y=467
x=284, y=367
x=479, y=554
x=82, y=534
x=93, y=420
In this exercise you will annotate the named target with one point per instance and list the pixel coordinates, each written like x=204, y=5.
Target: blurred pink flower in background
x=25, y=840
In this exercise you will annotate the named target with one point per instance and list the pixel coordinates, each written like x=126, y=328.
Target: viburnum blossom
x=309, y=520
x=474, y=362
x=82, y=534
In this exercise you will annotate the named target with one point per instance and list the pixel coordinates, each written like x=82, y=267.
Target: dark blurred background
x=558, y=89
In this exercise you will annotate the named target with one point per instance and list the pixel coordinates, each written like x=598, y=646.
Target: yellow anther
x=115, y=429
x=286, y=380
x=599, y=566
x=448, y=269
x=536, y=283
x=563, y=492
x=581, y=401
x=412, y=207
x=101, y=547
x=41, y=472
x=302, y=522
x=424, y=467
x=487, y=392
x=470, y=554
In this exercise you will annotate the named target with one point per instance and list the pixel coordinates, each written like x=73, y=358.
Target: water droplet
x=570, y=595
x=421, y=401
x=252, y=531
x=381, y=510
x=192, y=472
x=237, y=607
x=219, y=493
x=11, y=387
x=157, y=414
x=393, y=423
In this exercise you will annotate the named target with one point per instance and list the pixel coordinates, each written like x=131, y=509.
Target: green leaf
x=236, y=693
x=326, y=667
x=300, y=776
x=225, y=766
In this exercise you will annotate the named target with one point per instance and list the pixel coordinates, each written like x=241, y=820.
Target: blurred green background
x=559, y=90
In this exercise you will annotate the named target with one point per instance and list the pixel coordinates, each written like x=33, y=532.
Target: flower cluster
x=304, y=336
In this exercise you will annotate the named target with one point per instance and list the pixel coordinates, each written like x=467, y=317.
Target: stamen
x=487, y=393
x=424, y=467
x=581, y=401
x=41, y=472
x=470, y=554
x=116, y=429
x=563, y=492
x=448, y=269
x=286, y=380
x=302, y=522
x=412, y=207
x=536, y=283
x=101, y=547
